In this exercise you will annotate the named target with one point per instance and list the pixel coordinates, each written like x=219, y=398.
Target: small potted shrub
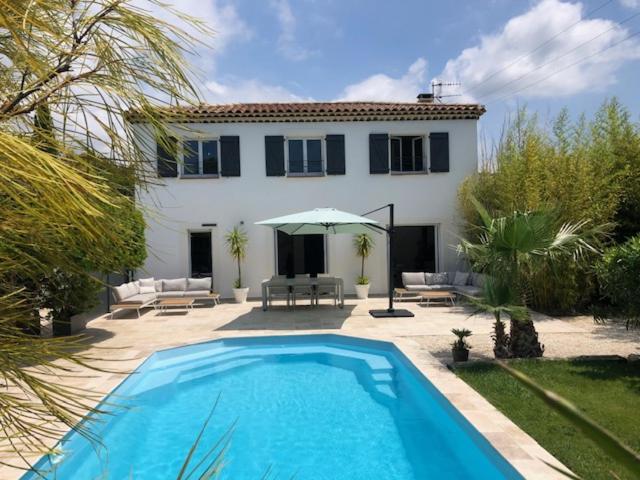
x=460, y=348
x=364, y=245
x=236, y=241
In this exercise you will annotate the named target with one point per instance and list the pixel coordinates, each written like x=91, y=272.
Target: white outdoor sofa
x=469, y=284
x=145, y=292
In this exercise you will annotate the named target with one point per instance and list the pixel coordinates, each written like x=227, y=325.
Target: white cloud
x=381, y=87
x=630, y=3
x=287, y=43
x=476, y=67
x=238, y=91
x=222, y=19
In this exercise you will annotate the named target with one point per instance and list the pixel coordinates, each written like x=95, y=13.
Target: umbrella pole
x=390, y=312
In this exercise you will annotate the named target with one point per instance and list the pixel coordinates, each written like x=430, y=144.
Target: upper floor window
x=305, y=156
x=200, y=157
x=407, y=154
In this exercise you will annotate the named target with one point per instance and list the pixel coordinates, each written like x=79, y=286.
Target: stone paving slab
x=124, y=342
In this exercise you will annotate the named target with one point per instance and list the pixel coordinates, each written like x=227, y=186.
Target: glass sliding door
x=200, y=253
x=414, y=250
x=300, y=254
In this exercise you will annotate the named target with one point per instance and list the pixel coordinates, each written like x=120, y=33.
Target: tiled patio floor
x=124, y=342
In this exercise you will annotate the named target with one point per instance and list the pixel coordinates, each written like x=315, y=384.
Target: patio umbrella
x=333, y=221
x=322, y=221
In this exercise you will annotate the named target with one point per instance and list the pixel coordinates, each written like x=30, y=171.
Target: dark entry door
x=201, y=264
x=300, y=254
x=414, y=250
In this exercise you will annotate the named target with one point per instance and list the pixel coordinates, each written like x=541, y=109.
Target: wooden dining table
x=311, y=282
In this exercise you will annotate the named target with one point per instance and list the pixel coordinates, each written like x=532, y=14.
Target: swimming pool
x=313, y=406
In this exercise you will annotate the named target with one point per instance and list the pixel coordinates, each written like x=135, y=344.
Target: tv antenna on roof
x=437, y=86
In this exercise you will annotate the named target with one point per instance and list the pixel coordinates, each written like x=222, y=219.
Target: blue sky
x=295, y=50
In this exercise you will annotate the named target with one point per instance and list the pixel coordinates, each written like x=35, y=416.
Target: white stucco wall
x=183, y=205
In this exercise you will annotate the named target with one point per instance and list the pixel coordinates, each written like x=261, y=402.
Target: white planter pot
x=241, y=294
x=362, y=291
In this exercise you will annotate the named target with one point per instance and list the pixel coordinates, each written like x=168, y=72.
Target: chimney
x=425, y=98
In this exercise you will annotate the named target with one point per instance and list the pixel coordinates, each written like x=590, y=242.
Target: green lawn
x=609, y=392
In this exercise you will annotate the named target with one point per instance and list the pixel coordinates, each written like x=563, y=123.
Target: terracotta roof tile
x=315, y=112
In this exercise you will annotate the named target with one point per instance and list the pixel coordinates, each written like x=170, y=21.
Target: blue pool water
x=314, y=406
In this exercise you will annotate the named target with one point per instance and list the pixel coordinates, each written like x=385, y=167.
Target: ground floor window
x=200, y=253
x=300, y=254
x=414, y=250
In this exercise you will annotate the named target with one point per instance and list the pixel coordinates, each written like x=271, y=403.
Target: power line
x=546, y=42
x=582, y=60
x=491, y=92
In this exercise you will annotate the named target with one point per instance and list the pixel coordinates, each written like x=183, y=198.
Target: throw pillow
x=198, y=284
x=147, y=282
x=461, y=278
x=436, y=278
x=412, y=278
x=174, y=285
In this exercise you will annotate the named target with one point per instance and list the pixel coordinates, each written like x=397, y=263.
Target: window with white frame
x=407, y=153
x=305, y=156
x=200, y=157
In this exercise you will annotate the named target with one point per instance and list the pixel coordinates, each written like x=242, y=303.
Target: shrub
x=619, y=279
x=582, y=170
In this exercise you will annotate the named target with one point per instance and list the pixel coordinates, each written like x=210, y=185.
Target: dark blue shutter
x=439, y=152
x=379, y=153
x=335, y=155
x=274, y=155
x=230, y=156
x=167, y=157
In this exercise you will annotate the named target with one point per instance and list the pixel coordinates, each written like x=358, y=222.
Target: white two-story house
x=241, y=163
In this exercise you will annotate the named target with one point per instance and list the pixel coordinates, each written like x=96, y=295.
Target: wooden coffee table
x=443, y=296
x=165, y=303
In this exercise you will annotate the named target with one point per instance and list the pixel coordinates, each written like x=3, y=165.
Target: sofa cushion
x=150, y=289
x=460, y=278
x=146, y=282
x=436, y=278
x=198, y=283
x=174, y=285
x=412, y=278
x=131, y=289
x=173, y=294
x=140, y=298
x=196, y=293
x=414, y=288
x=121, y=293
x=158, y=285
x=468, y=290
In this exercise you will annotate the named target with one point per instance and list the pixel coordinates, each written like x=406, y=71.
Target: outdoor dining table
x=304, y=282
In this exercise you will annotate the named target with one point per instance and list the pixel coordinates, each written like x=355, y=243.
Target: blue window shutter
x=230, y=156
x=378, y=153
x=274, y=155
x=167, y=157
x=335, y=155
x=439, y=151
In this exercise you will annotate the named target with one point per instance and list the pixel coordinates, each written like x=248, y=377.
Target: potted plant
x=364, y=245
x=460, y=348
x=236, y=241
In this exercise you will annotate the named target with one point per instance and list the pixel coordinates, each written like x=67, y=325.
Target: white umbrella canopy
x=321, y=221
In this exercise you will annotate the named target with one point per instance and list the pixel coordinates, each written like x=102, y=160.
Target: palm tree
x=237, y=241
x=510, y=249
x=364, y=244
